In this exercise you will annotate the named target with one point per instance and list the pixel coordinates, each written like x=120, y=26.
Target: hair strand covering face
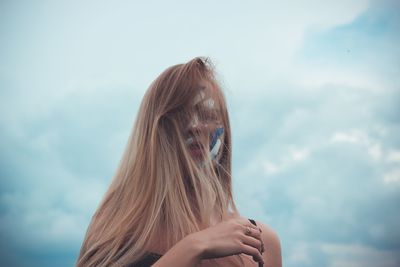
x=158, y=189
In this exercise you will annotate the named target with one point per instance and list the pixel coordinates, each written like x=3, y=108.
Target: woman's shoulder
x=272, y=244
x=269, y=235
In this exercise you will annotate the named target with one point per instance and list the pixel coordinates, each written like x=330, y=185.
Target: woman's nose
x=196, y=125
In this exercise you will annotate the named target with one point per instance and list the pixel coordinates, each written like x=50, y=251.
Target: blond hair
x=158, y=188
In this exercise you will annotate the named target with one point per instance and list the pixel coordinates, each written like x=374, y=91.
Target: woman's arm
x=227, y=238
x=185, y=253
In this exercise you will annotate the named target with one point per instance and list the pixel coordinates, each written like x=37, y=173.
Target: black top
x=150, y=258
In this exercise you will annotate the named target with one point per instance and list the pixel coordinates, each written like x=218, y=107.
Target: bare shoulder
x=272, y=244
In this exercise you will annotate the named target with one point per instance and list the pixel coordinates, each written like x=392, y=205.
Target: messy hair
x=158, y=187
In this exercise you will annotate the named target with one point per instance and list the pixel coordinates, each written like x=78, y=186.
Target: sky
x=312, y=89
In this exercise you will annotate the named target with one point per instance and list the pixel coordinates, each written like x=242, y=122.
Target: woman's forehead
x=206, y=96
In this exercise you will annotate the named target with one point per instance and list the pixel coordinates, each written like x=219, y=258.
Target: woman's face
x=204, y=131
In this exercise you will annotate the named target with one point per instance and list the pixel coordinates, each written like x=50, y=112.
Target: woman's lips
x=196, y=149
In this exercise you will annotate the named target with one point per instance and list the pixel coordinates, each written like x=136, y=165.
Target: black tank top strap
x=253, y=222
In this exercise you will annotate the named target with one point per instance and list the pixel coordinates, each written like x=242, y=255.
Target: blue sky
x=312, y=89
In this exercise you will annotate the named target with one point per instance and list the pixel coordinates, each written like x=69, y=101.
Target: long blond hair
x=158, y=187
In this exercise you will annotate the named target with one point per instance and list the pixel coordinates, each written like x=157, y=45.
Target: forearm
x=186, y=253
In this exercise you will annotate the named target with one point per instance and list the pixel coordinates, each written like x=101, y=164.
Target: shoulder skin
x=272, y=255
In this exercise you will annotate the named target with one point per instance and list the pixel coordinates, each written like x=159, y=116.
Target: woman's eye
x=211, y=117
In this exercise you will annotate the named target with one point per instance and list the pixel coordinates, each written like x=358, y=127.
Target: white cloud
x=299, y=154
x=292, y=156
x=393, y=156
x=270, y=167
x=54, y=211
x=359, y=137
x=355, y=137
x=375, y=151
x=357, y=255
x=299, y=255
x=312, y=78
x=392, y=177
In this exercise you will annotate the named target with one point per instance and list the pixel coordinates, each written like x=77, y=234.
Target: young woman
x=170, y=202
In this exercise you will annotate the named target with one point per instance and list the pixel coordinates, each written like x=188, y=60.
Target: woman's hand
x=231, y=237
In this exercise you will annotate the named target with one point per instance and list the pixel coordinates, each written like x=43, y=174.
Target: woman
x=170, y=202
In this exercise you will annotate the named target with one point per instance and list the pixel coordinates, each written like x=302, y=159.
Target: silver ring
x=248, y=231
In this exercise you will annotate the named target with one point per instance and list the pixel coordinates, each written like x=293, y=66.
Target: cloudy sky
x=313, y=93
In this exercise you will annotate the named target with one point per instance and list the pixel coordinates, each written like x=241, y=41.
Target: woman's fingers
x=255, y=253
x=237, y=236
x=250, y=231
x=247, y=223
x=251, y=241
